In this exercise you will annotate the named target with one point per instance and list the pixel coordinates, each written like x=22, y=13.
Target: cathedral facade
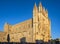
x=36, y=28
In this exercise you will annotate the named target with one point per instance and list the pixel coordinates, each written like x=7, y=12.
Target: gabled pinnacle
x=35, y=7
x=40, y=6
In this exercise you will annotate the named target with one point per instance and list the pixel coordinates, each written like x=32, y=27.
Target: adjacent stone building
x=36, y=28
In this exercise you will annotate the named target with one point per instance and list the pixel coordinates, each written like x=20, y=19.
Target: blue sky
x=16, y=11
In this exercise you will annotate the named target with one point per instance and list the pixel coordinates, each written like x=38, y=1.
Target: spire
x=46, y=11
x=44, y=8
x=40, y=4
x=40, y=7
x=35, y=8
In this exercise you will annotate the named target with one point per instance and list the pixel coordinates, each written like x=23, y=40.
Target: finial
x=6, y=23
x=44, y=8
x=35, y=4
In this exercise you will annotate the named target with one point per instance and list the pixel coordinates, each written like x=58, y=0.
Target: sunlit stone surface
x=36, y=28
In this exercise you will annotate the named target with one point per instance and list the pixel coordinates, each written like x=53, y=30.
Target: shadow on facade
x=23, y=41
x=37, y=42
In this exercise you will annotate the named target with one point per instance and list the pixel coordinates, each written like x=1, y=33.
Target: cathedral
x=36, y=28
